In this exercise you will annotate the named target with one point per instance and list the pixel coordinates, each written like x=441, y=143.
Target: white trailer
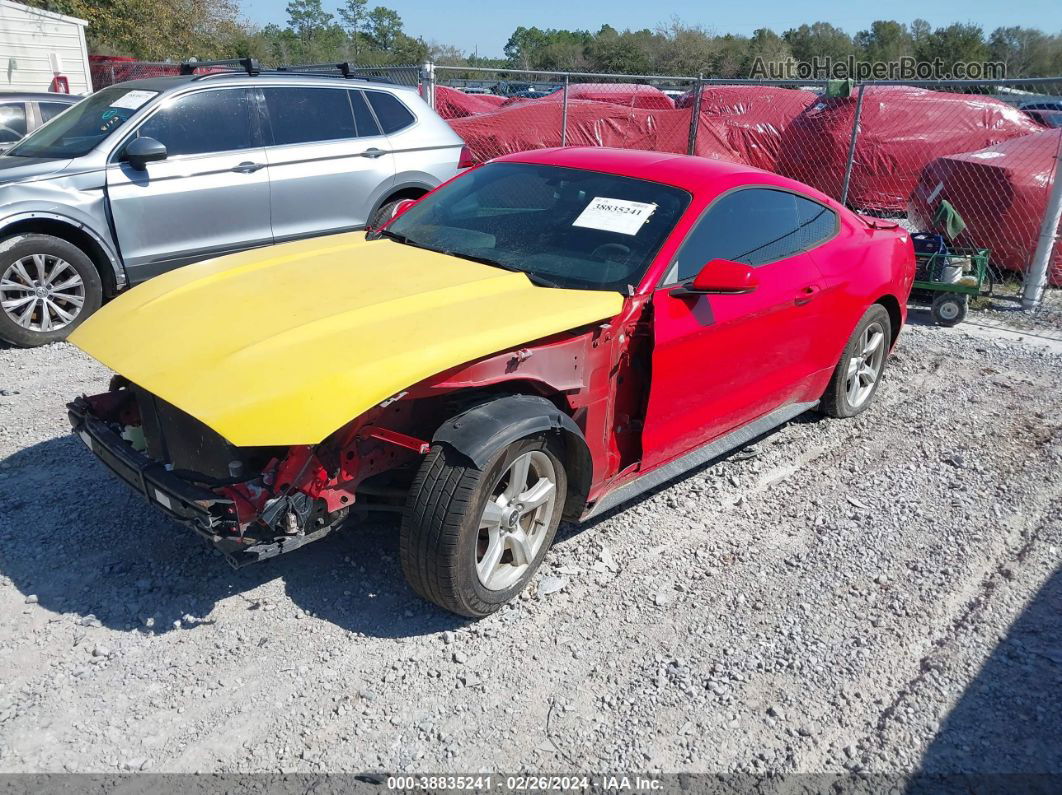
x=37, y=45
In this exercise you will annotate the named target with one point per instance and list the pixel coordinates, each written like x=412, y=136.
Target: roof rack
x=249, y=65
x=343, y=68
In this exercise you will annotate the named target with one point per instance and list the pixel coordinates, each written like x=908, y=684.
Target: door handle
x=806, y=294
x=373, y=152
x=247, y=167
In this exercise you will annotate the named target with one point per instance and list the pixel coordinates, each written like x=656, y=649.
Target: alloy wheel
x=864, y=368
x=42, y=292
x=515, y=520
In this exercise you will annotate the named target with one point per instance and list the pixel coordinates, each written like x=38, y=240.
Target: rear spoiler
x=878, y=223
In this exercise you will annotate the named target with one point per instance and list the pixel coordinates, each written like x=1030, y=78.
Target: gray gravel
x=870, y=595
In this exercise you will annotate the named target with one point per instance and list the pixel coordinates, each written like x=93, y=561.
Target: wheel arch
x=405, y=190
x=76, y=234
x=892, y=306
x=478, y=432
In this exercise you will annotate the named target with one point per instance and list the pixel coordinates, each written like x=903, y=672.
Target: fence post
x=695, y=118
x=1036, y=276
x=852, y=145
x=564, y=111
x=427, y=79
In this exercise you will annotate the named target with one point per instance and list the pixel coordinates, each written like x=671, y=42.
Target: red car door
x=721, y=361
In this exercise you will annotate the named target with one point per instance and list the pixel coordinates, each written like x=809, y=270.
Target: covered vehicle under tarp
x=630, y=95
x=901, y=129
x=453, y=104
x=537, y=125
x=754, y=117
x=1001, y=192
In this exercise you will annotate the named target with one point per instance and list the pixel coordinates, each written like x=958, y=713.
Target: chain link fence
x=975, y=161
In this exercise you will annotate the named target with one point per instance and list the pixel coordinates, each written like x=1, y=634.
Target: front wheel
x=472, y=539
x=858, y=374
x=47, y=287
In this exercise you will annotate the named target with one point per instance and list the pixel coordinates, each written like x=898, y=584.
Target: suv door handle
x=247, y=167
x=373, y=152
x=806, y=294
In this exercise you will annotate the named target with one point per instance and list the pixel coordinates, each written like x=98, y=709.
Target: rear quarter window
x=393, y=115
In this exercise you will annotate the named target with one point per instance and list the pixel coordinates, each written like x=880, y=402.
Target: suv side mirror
x=142, y=151
x=721, y=277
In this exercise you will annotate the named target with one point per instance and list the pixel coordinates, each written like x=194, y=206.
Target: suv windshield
x=77, y=131
x=564, y=227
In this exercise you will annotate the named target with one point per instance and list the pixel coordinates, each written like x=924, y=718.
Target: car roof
x=38, y=96
x=165, y=83
x=694, y=174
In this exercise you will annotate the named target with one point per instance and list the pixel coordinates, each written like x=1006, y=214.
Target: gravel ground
x=876, y=595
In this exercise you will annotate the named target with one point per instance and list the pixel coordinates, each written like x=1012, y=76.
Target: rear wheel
x=472, y=539
x=48, y=286
x=858, y=374
x=383, y=214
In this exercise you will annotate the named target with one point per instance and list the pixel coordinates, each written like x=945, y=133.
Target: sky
x=474, y=26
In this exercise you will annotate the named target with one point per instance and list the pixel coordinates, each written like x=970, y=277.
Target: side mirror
x=402, y=206
x=722, y=277
x=142, y=151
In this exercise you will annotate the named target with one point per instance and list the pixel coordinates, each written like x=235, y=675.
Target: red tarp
x=901, y=129
x=453, y=104
x=754, y=117
x=1001, y=193
x=537, y=125
x=630, y=95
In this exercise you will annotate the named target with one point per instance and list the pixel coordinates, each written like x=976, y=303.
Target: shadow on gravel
x=81, y=542
x=1009, y=720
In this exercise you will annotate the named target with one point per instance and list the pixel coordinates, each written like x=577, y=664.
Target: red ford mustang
x=543, y=337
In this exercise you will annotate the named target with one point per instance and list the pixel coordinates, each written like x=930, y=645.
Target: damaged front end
x=251, y=503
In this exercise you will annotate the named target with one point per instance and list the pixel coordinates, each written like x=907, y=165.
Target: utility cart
x=946, y=276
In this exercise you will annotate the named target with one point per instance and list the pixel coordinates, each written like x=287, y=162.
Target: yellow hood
x=284, y=345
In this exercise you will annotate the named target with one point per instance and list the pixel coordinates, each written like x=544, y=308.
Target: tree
x=958, y=43
x=766, y=47
x=353, y=14
x=308, y=18
x=819, y=40
x=1025, y=52
x=886, y=42
x=384, y=26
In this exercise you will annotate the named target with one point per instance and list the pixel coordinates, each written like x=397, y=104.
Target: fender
x=480, y=431
x=398, y=187
x=105, y=247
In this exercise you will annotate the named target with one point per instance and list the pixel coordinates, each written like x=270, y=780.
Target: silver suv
x=149, y=175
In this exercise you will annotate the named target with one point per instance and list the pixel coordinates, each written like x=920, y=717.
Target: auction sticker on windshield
x=133, y=99
x=615, y=215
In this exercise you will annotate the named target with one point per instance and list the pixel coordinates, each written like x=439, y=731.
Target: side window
x=208, y=121
x=12, y=122
x=302, y=115
x=363, y=117
x=755, y=226
x=393, y=115
x=49, y=110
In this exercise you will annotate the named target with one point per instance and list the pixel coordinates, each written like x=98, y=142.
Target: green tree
x=353, y=14
x=886, y=41
x=819, y=39
x=308, y=18
x=1025, y=52
x=958, y=43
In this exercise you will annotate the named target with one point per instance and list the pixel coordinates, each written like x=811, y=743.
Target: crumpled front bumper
x=200, y=508
x=209, y=514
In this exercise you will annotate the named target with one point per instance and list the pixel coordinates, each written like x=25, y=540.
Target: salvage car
x=149, y=175
x=542, y=338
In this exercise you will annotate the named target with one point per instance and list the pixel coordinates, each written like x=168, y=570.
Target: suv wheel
x=472, y=539
x=48, y=286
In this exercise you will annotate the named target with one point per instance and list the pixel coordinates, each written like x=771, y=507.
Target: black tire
x=53, y=249
x=836, y=401
x=441, y=537
x=383, y=214
x=950, y=309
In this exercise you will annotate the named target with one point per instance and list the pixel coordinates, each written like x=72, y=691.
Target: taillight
x=465, y=160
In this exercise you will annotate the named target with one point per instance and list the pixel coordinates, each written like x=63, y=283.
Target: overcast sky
x=475, y=25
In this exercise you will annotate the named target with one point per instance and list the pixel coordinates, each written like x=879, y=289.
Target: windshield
x=564, y=227
x=77, y=131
